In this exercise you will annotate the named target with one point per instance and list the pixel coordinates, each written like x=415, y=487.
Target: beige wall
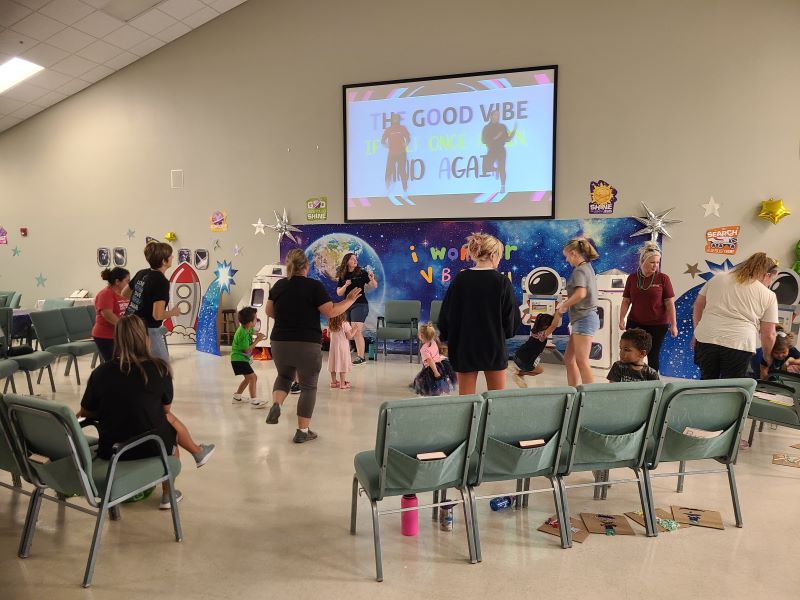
x=670, y=101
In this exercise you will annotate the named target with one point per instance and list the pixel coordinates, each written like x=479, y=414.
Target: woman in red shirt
x=109, y=306
x=649, y=295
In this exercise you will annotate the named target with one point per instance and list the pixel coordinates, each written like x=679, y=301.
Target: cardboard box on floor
x=661, y=513
x=786, y=460
x=698, y=517
x=579, y=533
x=596, y=523
x=797, y=446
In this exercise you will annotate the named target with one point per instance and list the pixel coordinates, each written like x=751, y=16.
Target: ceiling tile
x=147, y=46
x=11, y=12
x=50, y=99
x=10, y=42
x=33, y=4
x=9, y=105
x=126, y=37
x=98, y=24
x=74, y=86
x=38, y=26
x=25, y=92
x=180, y=9
x=67, y=11
x=70, y=39
x=49, y=79
x=153, y=21
x=223, y=5
x=123, y=60
x=73, y=65
x=27, y=111
x=97, y=73
x=173, y=32
x=8, y=122
x=99, y=52
x=45, y=55
x=96, y=3
x=201, y=17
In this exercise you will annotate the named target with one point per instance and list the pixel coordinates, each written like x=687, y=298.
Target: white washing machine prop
x=268, y=276
x=605, y=348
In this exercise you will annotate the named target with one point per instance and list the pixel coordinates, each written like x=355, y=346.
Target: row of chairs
x=592, y=428
x=400, y=321
x=763, y=411
x=43, y=443
x=10, y=299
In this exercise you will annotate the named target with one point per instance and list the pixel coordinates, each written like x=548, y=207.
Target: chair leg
x=176, y=519
x=563, y=522
x=567, y=531
x=30, y=383
x=737, y=510
x=16, y=480
x=752, y=434
x=466, y=504
x=376, y=539
x=354, y=506
x=70, y=358
x=518, y=499
x=77, y=373
x=39, y=379
x=50, y=375
x=526, y=487
x=94, y=359
x=598, y=477
x=648, y=486
x=761, y=426
x=435, y=509
x=114, y=513
x=475, y=530
x=649, y=525
x=98, y=529
x=30, y=523
x=681, y=468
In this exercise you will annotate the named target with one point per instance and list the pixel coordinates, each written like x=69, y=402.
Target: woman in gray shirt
x=581, y=303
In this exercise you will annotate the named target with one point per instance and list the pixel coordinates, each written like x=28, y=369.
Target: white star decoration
x=259, y=227
x=712, y=208
x=282, y=227
x=655, y=224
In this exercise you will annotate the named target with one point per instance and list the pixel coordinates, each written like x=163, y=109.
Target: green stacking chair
x=51, y=330
x=9, y=460
x=764, y=411
x=400, y=323
x=711, y=405
x=79, y=329
x=405, y=429
x=7, y=369
x=436, y=310
x=56, y=303
x=27, y=363
x=58, y=457
x=512, y=416
x=611, y=425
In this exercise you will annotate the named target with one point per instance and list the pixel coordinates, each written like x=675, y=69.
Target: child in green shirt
x=241, y=357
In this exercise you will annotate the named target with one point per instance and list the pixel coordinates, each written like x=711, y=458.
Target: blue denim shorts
x=358, y=313
x=587, y=325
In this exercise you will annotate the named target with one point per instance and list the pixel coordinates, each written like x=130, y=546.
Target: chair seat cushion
x=35, y=360
x=764, y=409
x=59, y=349
x=8, y=367
x=82, y=348
x=131, y=475
x=395, y=333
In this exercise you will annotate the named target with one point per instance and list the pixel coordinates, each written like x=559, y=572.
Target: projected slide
x=477, y=146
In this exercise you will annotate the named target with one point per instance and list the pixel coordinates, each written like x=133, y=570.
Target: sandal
x=334, y=384
x=345, y=385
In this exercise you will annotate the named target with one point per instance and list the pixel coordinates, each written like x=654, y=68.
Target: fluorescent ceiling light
x=16, y=71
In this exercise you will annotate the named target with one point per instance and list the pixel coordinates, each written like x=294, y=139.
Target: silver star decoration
x=259, y=227
x=131, y=233
x=655, y=224
x=237, y=250
x=692, y=270
x=712, y=208
x=282, y=227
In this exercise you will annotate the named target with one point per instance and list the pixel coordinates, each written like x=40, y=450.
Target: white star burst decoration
x=259, y=227
x=712, y=208
x=282, y=227
x=655, y=224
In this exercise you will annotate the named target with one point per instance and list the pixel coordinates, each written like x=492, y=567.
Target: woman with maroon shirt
x=649, y=295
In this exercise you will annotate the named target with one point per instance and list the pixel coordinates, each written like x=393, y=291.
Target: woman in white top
x=731, y=312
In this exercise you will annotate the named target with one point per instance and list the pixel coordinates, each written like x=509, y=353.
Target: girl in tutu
x=339, y=361
x=437, y=376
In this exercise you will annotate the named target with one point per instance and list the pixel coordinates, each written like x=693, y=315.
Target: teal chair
x=56, y=303
x=511, y=416
x=405, y=429
x=436, y=310
x=58, y=457
x=400, y=323
x=10, y=299
x=79, y=328
x=611, y=426
x=9, y=459
x=710, y=405
x=763, y=411
x=51, y=330
x=27, y=363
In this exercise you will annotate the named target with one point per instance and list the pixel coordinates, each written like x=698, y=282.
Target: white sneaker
x=258, y=403
x=239, y=400
x=518, y=379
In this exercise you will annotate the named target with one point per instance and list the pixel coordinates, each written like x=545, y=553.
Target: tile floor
x=269, y=519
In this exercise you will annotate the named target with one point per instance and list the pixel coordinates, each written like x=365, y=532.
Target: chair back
x=401, y=313
x=54, y=303
x=409, y=427
x=50, y=327
x=79, y=325
x=790, y=380
x=719, y=405
x=512, y=416
x=612, y=423
x=9, y=458
x=91, y=312
x=5, y=299
x=436, y=309
x=6, y=323
x=49, y=437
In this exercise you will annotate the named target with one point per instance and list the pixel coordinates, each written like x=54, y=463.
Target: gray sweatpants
x=303, y=359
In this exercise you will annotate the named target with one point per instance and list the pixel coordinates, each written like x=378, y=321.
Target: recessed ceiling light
x=16, y=71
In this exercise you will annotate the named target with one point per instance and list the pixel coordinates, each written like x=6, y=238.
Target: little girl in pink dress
x=339, y=361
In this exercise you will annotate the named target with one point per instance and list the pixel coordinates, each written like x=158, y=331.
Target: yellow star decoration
x=773, y=210
x=170, y=236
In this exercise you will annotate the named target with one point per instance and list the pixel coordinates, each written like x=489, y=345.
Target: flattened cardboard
x=596, y=523
x=786, y=460
x=578, y=536
x=660, y=513
x=704, y=518
x=797, y=446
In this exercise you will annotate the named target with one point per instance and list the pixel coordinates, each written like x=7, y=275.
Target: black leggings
x=303, y=359
x=105, y=347
x=657, y=332
x=719, y=362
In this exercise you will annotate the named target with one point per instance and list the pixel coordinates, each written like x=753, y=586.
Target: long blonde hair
x=296, y=261
x=583, y=247
x=482, y=246
x=754, y=268
x=335, y=323
x=132, y=347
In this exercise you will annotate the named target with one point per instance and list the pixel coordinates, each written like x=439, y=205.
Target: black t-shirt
x=621, y=371
x=126, y=407
x=148, y=286
x=358, y=279
x=297, y=301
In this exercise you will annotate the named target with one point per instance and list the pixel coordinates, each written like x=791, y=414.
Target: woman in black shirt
x=479, y=313
x=351, y=276
x=296, y=339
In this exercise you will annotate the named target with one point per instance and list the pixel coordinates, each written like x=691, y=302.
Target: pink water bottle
x=409, y=520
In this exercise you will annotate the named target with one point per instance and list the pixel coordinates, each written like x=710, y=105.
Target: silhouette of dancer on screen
x=495, y=135
x=396, y=138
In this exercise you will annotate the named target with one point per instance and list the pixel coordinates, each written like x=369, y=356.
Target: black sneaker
x=295, y=389
x=358, y=360
x=274, y=414
x=301, y=437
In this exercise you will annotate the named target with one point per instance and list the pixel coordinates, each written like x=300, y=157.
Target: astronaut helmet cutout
x=542, y=287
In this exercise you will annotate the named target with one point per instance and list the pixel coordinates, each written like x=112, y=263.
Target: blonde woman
x=296, y=304
x=732, y=311
x=479, y=313
x=581, y=303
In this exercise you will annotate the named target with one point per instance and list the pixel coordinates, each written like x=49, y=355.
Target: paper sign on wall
x=317, y=209
x=218, y=221
x=723, y=240
x=603, y=195
x=3, y=235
